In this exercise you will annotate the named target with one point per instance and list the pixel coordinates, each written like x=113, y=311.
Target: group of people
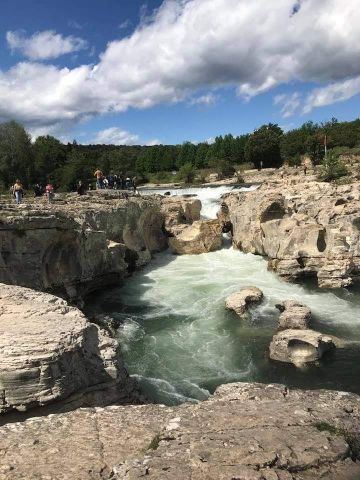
x=39, y=191
x=114, y=182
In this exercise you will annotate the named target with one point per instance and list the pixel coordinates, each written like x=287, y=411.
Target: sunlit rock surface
x=300, y=346
x=239, y=302
x=305, y=229
x=294, y=315
x=50, y=352
x=245, y=431
x=201, y=237
x=78, y=244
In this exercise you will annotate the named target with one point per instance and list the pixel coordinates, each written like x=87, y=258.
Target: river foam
x=180, y=343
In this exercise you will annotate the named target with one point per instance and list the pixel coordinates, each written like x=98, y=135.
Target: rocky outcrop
x=201, y=237
x=179, y=210
x=78, y=244
x=303, y=228
x=300, y=346
x=294, y=315
x=239, y=302
x=245, y=431
x=49, y=352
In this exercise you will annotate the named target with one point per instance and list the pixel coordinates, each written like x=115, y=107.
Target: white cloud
x=205, y=100
x=116, y=136
x=153, y=142
x=190, y=45
x=289, y=103
x=44, y=45
x=125, y=24
x=333, y=93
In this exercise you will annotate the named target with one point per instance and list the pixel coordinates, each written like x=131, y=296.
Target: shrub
x=332, y=168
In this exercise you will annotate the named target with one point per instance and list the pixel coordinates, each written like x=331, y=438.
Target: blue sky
x=129, y=71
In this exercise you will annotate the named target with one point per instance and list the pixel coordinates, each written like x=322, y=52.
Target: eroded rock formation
x=294, y=315
x=300, y=346
x=201, y=237
x=80, y=244
x=49, y=352
x=245, y=431
x=239, y=302
x=305, y=229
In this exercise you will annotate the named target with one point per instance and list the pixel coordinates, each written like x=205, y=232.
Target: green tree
x=16, y=159
x=187, y=173
x=332, y=168
x=263, y=146
x=187, y=153
x=49, y=156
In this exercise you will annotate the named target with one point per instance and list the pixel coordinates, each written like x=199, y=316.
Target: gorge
x=177, y=341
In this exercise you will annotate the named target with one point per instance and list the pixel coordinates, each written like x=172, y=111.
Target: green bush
x=332, y=168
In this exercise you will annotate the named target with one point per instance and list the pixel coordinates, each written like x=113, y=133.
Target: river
x=180, y=342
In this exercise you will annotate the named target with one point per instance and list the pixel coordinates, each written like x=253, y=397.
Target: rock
x=294, y=315
x=200, y=237
x=275, y=434
x=300, y=346
x=311, y=231
x=50, y=352
x=83, y=244
x=180, y=210
x=240, y=301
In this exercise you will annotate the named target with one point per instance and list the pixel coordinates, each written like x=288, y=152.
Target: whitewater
x=180, y=343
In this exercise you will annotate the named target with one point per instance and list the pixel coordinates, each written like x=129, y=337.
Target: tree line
x=64, y=164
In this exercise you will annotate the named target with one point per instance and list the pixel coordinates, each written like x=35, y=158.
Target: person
x=111, y=181
x=134, y=181
x=305, y=168
x=38, y=191
x=99, y=179
x=49, y=190
x=261, y=164
x=128, y=183
x=18, y=191
x=105, y=183
x=80, y=188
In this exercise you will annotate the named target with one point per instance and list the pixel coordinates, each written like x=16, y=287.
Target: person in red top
x=99, y=179
x=49, y=192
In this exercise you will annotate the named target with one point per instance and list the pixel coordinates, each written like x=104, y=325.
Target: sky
x=168, y=71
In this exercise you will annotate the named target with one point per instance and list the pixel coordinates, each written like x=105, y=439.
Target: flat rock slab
x=240, y=301
x=49, y=350
x=300, y=346
x=246, y=431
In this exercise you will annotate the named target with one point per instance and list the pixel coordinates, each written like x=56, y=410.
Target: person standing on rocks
x=99, y=179
x=49, y=190
x=17, y=191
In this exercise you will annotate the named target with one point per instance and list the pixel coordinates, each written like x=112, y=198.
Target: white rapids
x=180, y=342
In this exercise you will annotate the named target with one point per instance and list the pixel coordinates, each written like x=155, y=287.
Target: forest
x=47, y=159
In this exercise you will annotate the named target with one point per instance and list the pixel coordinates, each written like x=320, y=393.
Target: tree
x=187, y=173
x=15, y=154
x=332, y=168
x=49, y=156
x=186, y=154
x=264, y=146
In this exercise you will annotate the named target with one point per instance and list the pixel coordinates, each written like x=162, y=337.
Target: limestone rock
x=299, y=346
x=79, y=245
x=49, y=352
x=310, y=230
x=240, y=301
x=247, y=431
x=180, y=210
x=201, y=237
x=294, y=315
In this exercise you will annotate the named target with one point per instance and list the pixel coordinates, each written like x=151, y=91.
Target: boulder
x=294, y=315
x=240, y=301
x=300, y=346
x=50, y=352
x=201, y=237
x=180, y=210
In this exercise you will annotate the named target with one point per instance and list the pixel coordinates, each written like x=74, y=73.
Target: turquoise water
x=180, y=342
